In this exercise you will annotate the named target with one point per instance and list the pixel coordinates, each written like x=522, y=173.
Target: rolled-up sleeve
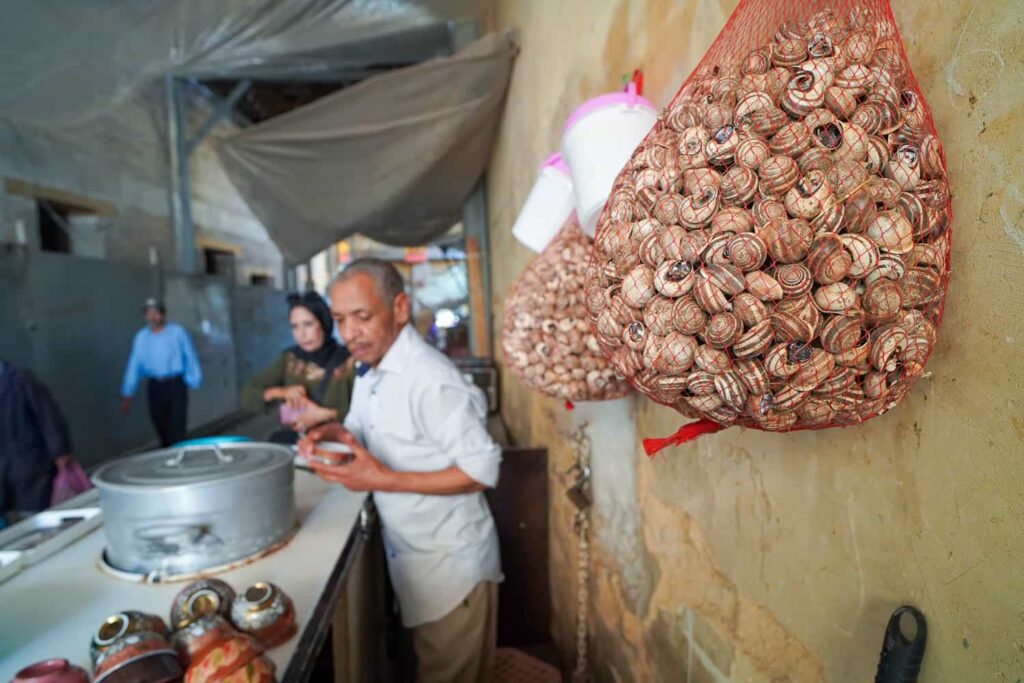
x=454, y=417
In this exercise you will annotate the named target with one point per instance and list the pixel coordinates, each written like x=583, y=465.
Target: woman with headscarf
x=311, y=381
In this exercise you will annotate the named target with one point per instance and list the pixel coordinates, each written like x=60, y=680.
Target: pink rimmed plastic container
x=550, y=203
x=597, y=141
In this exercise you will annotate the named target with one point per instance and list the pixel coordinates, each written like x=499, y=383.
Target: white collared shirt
x=415, y=412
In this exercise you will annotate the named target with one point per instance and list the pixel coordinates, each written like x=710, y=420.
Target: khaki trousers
x=459, y=647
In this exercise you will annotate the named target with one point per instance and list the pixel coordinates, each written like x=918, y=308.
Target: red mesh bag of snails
x=775, y=254
x=546, y=337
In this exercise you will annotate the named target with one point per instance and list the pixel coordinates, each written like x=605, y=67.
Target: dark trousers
x=26, y=481
x=168, y=408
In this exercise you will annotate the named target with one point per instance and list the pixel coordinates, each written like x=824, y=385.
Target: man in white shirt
x=416, y=428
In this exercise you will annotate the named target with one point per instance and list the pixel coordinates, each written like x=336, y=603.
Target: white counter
x=51, y=609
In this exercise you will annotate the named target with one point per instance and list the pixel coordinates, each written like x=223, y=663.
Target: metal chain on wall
x=579, y=494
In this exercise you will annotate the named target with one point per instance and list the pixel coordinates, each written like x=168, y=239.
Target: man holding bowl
x=419, y=443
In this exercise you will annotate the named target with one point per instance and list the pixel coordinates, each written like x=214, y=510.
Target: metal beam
x=221, y=111
x=181, y=176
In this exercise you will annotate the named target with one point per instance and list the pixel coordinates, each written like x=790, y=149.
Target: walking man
x=163, y=353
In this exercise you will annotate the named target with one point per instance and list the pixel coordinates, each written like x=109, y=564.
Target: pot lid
x=194, y=464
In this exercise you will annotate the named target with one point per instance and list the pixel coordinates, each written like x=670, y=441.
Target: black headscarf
x=315, y=304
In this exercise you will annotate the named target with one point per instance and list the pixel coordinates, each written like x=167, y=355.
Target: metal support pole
x=474, y=224
x=181, y=176
x=222, y=110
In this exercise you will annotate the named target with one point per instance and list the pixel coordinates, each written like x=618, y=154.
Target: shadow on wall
x=71, y=320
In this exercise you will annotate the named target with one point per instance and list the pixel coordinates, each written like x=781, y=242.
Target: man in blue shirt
x=163, y=353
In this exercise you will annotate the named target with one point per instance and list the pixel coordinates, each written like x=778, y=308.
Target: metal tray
x=43, y=534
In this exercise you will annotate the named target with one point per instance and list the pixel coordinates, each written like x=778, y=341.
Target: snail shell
x=831, y=217
x=651, y=253
x=711, y=360
x=842, y=101
x=815, y=412
x=860, y=211
x=841, y=333
x=773, y=421
x=837, y=297
x=709, y=296
x=805, y=91
x=755, y=341
x=696, y=179
x=681, y=117
x=838, y=381
x=921, y=286
x=749, y=309
x=722, y=330
x=666, y=209
x=777, y=175
x=789, y=52
x=692, y=141
x=789, y=327
x=717, y=249
x=757, y=61
x=892, y=232
x=778, y=363
x=763, y=286
x=854, y=77
x=638, y=286
x=634, y=336
x=794, y=279
x=704, y=403
x=738, y=186
x=904, y=167
x=863, y=253
x=876, y=384
x=747, y=251
x=731, y=390
x=763, y=122
x=914, y=210
x=890, y=266
x=869, y=117
x=853, y=145
x=659, y=315
x=787, y=398
x=789, y=241
x=675, y=354
x=846, y=178
x=673, y=279
x=700, y=383
x=753, y=375
x=816, y=158
x=696, y=211
x=927, y=255
x=916, y=353
x=805, y=199
x=753, y=101
x=813, y=371
x=791, y=140
x=721, y=148
x=858, y=47
x=732, y=219
x=691, y=245
x=877, y=155
x=687, y=316
x=931, y=157
x=882, y=299
x=884, y=190
x=727, y=278
x=627, y=362
x=768, y=210
x=752, y=152
x=716, y=115
x=888, y=342
x=827, y=259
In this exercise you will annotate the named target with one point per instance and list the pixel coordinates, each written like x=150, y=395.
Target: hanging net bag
x=775, y=254
x=547, y=339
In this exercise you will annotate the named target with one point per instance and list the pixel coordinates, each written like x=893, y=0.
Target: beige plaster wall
x=758, y=557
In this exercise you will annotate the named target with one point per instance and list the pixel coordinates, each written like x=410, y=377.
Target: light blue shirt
x=166, y=353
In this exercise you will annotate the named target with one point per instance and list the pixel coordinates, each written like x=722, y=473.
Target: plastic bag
x=546, y=338
x=776, y=252
x=69, y=482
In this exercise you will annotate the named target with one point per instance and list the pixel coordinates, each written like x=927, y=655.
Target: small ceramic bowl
x=201, y=635
x=202, y=598
x=159, y=666
x=259, y=670
x=331, y=453
x=119, y=625
x=129, y=647
x=224, y=659
x=51, y=671
x=264, y=611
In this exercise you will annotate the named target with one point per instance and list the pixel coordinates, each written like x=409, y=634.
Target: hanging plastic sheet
x=65, y=62
x=393, y=157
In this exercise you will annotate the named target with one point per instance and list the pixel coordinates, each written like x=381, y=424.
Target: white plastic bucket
x=598, y=140
x=548, y=206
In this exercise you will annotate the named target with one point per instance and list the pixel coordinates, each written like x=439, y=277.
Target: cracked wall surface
x=766, y=558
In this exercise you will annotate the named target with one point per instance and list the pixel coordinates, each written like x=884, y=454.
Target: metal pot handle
x=178, y=458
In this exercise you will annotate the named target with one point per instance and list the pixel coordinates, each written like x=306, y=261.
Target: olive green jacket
x=288, y=370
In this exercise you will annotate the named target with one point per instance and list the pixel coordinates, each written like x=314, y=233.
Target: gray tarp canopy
x=393, y=157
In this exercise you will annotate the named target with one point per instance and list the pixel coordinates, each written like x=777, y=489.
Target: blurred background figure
x=34, y=443
x=310, y=381
x=163, y=353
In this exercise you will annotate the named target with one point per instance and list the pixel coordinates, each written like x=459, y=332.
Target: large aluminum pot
x=185, y=509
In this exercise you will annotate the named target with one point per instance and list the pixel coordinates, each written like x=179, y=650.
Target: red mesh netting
x=546, y=337
x=776, y=252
